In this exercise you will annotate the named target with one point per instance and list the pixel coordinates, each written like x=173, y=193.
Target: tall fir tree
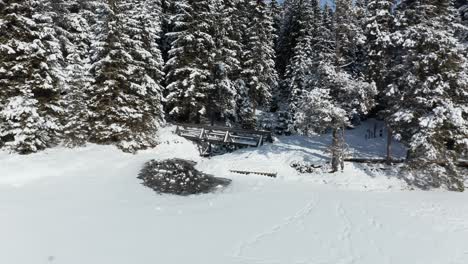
x=258, y=69
x=30, y=78
x=276, y=12
x=430, y=97
x=225, y=62
x=74, y=34
x=290, y=31
x=300, y=70
x=379, y=24
x=335, y=95
x=188, y=70
x=125, y=97
x=381, y=56
x=349, y=36
x=462, y=23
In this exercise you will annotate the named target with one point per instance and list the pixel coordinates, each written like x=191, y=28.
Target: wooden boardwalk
x=205, y=136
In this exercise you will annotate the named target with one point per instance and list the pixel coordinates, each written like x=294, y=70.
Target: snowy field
x=85, y=206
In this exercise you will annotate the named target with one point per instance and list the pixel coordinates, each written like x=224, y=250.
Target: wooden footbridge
x=206, y=136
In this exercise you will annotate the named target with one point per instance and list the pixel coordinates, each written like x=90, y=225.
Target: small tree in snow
x=335, y=98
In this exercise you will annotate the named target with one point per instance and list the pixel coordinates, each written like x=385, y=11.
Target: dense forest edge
x=115, y=71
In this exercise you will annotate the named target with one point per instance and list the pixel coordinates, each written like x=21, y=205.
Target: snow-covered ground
x=85, y=206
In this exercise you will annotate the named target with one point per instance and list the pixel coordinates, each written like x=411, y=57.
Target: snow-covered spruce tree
x=300, y=70
x=335, y=95
x=225, y=63
x=359, y=14
x=290, y=32
x=276, y=12
x=258, y=68
x=168, y=16
x=379, y=24
x=188, y=68
x=380, y=55
x=142, y=21
x=349, y=36
x=124, y=96
x=29, y=77
x=430, y=97
x=73, y=32
x=462, y=25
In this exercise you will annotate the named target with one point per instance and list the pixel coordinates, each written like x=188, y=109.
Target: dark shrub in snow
x=307, y=167
x=178, y=176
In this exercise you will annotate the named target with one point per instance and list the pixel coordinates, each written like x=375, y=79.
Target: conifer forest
x=114, y=72
x=233, y=131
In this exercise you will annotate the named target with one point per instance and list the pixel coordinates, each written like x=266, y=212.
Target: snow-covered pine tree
x=125, y=97
x=188, y=68
x=349, y=36
x=168, y=9
x=143, y=21
x=462, y=26
x=430, y=97
x=225, y=63
x=73, y=33
x=301, y=68
x=360, y=16
x=276, y=12
x=289, y=33
x=29, y=77
x=258, y=62
x=378, y=27
x=380, y=55
x=335, y=95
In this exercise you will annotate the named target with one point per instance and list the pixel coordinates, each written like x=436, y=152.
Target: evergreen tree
x=258, y=69
x=349, y=36
x=380, y=55
x=73, y=32
x=430, y=97
x=300, y=70
x=462, y=25
x=168, y=9
x=29, y=77
x=225, y=63
x=276, y=12
x=290, y=32
x=335, y=95
x=379, y=24
x=125, y=97
x=188, y=70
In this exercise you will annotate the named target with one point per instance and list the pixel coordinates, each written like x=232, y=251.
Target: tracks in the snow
x=298, y=217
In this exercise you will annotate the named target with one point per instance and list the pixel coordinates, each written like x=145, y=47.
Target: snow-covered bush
x=307, y=167
x=178, y=176
x=431, y=175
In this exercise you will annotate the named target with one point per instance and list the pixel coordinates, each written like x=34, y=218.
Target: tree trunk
x=335, y=162
x=342, y=144
x=389, y=144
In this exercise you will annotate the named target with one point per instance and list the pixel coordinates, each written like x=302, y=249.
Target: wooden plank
x=372, y=160
x=260, y=141
x=269, y=174
x=460, y=163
